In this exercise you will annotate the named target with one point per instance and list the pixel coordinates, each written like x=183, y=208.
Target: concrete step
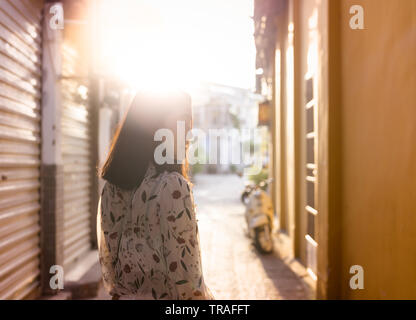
x=61, y=295
x=84, y=278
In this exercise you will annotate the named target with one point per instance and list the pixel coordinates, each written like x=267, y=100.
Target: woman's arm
x=181, y=240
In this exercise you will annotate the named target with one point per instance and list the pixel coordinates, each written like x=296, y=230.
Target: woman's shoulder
x=175, y=180
x=106, y=188
x=110, y=190
x=162, y=184
x=170, y=184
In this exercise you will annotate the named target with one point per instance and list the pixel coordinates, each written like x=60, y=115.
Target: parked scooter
x=250, y=187
x=259, y=215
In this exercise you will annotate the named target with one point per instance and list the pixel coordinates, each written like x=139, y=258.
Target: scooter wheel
x=263, y=239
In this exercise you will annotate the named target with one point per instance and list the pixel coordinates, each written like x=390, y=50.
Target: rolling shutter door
x=20, y=92
x=76, y=160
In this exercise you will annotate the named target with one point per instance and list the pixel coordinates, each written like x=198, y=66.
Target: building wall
x=292, y=49
x=289, y=162
x=365, y=155
x=288, y=126
x=378, y=213
x=227, y=108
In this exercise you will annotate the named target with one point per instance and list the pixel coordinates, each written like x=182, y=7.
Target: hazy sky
x=180, y=40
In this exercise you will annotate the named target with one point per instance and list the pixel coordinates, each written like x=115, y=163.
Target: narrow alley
x=306, y=106
x=232, y=267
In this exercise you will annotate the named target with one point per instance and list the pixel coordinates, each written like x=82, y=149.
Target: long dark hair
x=133, y=145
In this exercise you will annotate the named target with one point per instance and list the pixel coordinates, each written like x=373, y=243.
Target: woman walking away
x=147, y=231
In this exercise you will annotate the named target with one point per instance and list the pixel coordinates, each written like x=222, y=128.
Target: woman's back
x=148, y=239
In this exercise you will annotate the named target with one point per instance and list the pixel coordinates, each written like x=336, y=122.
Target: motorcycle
x=250, y=187
x=259, y=215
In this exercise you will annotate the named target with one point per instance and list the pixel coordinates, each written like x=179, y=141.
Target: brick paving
x=232, y=267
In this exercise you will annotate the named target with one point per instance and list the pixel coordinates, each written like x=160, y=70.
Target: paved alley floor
x=232, y=267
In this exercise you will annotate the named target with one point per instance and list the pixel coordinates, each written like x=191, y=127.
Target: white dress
x=148, y=240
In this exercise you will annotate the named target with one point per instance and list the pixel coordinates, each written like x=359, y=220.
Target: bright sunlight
x=161, y=43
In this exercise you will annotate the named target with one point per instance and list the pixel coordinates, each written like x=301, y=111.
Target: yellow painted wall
x=378, y=208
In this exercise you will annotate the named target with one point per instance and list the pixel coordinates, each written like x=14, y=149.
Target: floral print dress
x=148, y=240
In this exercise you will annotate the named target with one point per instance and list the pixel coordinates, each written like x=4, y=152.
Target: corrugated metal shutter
x=20, y=70
x=76, y=160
